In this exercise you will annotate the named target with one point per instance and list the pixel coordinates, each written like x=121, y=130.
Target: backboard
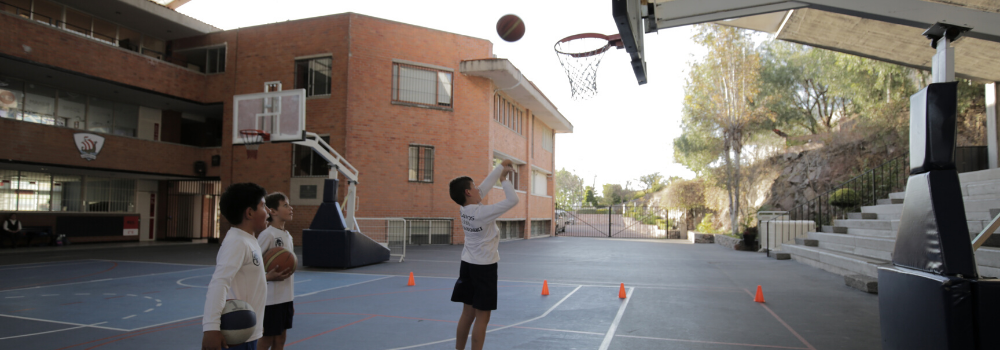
x=280, y=113
x=629, y=17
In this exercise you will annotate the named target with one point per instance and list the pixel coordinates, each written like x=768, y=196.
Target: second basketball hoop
x=580, y=55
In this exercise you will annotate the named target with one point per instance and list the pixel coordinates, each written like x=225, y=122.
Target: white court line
x=19, y=296
x=128, y=317
x=60, y=263
x=58, y=330
x=160, y=324
x=158, y=305
x=148, y=310
x=101, y=280
x=152, y=262
x=500, y=328
x=61, y=322
x=349, y=285
x=614, y=325
x=180, y=282
x=571, y=283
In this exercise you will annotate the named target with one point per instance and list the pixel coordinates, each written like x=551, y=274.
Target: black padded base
x=919, y=310
x=340, y=249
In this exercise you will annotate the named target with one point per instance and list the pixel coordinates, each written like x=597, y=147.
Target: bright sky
x=626, y=131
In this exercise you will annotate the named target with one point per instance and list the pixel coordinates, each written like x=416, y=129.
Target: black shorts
x=476, y=286
x=278, y=318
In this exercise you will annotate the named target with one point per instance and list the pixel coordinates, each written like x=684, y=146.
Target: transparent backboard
x=280, y=113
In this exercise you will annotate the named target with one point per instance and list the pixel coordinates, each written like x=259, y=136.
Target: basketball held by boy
x=279, y=311
x=239, y=270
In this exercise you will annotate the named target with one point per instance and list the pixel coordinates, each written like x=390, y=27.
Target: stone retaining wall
x=697, y=237
x=729, y=242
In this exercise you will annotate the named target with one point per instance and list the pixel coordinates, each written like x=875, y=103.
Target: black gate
x=618, y=221
x=192, y=210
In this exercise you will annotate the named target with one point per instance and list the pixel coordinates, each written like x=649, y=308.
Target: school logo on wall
x=88, y=144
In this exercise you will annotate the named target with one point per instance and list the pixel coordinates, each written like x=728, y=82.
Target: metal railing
x=38, y=17
x=389, y=232
x=865, y=189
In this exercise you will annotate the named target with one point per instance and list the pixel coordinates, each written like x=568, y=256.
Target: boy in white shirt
x=477, y=281
x=279, y=310
x=239, y=271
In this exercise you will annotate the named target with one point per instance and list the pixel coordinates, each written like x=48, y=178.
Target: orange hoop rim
x=249, y=136
x=614, y=39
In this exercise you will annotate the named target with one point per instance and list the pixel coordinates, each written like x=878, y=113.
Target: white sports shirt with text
x=482, y=236
x=239, y=274
x=278, y=291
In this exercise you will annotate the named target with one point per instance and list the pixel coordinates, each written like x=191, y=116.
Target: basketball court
x=679, y=296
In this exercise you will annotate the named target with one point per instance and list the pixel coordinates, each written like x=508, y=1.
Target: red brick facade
x=364, y=125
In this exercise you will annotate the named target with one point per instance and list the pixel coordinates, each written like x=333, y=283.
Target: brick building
x=152, y=90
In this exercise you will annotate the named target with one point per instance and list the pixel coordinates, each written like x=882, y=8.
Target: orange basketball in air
x=510, y=28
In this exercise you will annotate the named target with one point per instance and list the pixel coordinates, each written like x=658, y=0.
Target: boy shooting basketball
x=476, y=287
x=239, y=270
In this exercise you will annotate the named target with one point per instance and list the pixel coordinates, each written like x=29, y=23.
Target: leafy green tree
x=588, y=197
x=613, y=194
x=652, y=182
x=569, y=190
x=721, y=106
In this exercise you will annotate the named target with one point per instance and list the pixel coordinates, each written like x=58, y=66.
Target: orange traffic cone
x=545, y=287
x=410, y=283
x=760, y=295
x=621, y=291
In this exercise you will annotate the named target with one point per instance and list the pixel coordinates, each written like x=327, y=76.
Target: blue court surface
x=676, y=300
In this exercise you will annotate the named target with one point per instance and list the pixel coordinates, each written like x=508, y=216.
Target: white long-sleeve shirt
x=278, y=291
x=482, y=236
x=239, y=274
x=11, y=226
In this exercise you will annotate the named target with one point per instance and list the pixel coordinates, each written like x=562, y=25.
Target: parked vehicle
x=563, y=219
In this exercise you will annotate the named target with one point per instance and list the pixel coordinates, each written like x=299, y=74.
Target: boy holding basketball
x=279, y=310
x=476, y=287
x=239, y=272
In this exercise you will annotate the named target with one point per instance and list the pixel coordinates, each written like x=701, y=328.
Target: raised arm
x=493, y=211
x=487, y=184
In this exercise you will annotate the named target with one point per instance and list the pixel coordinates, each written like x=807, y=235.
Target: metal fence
x=389, y=232
x=192, y=210
x=617, y=221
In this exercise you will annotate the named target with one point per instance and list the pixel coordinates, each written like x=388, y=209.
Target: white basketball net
x=580, y=58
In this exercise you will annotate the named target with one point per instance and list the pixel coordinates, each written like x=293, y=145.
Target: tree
x=569, y=190
x=588, y=196
x=685, y=195
x=801, y=85
x=652, y=182
x=613, y=194
x=720, y=104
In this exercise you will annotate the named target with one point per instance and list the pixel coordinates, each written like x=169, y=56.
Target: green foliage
x=652, y=181
x=591, y=211
x=613, y=194
x=569, y=190
x=685, y=194
x=588, y=197
x=705, y=226
x=845, y=198
x=642, y=215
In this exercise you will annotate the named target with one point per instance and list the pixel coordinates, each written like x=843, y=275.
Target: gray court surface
x=680, y=296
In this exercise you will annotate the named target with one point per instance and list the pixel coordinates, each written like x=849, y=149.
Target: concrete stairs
x=856, y=246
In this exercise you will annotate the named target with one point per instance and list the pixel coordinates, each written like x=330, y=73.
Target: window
x=539, y=183
x=511, y=229
x=153, y=47
x=421, y=163
x=548, y=138
x=420, y=85
x=429, y=231
x=515, y=179
x=313, y=75
x=78, y=22
x=28, y=191
x=47, y=12
x=11, y=98
x=207, y=60
x=540, y=228
x=506, y=113
x=305, y=162
x=108, y=195
x=126, y=120
x=39, y=104
x=72, y=110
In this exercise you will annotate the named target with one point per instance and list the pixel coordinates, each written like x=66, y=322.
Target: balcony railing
x=84, y=32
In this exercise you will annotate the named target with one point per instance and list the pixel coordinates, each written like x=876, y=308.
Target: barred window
x=421, y=163
x=29, y=191
x=313, y=75
x=507, y=113
x=540, y=228
x=511, y=229
x=429, y=231
x=420, y=85
x=548, y=138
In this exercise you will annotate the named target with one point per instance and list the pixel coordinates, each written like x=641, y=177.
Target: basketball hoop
x=252, y=139
x=580, y=56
